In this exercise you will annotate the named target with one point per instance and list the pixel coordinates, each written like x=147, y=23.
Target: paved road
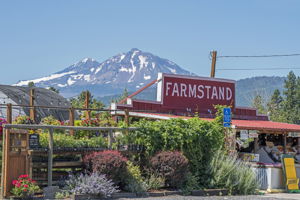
x=280, y=196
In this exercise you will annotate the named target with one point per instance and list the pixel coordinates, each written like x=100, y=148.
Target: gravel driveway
x=246, y=197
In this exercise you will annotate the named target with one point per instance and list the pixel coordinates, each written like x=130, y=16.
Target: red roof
x=266, y=125
x=238, y=124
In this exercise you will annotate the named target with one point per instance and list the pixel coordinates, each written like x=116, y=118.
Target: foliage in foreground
x=173, y=166
x=109, y=162
x=95, y=183
x=197, y=139
x=230, y=173
x=24, y=187
x=64, y=140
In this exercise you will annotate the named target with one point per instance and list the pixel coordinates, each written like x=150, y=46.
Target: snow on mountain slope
x=129, y=70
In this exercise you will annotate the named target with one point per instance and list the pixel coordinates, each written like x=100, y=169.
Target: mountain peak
x=131, y=70
x=87, y=60
x=134, y=49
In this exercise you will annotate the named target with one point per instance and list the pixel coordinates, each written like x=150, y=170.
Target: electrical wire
x=272, y=68
x=261, y=56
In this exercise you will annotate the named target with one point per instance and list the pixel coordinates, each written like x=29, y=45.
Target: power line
x=261, y=56
x=273, y=68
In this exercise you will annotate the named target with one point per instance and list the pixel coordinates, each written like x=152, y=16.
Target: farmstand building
x=255, y=137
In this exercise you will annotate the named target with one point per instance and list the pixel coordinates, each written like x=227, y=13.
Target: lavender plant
x=95, y=184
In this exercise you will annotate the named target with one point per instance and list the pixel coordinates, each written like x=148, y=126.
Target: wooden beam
x=50, y=157
x=5, y=153
x=71, y=119
x=86, y=105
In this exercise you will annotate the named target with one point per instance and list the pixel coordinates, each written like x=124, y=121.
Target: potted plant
x=24, y=187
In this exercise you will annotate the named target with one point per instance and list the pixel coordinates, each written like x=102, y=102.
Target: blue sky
x=38, y=38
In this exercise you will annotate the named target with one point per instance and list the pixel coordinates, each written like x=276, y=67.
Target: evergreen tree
x=31, y=84
x=274, y=107
x=79, y=101
x=290, y=100
x=259, y=104
x=53, y=89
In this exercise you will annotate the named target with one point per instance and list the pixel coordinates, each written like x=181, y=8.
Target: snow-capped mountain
x=129, y=70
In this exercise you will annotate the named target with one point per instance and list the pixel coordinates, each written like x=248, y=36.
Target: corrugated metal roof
x=43, y=97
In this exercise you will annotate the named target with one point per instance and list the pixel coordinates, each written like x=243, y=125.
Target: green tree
x=53, y=89
x=275, y=107
x=31, y=84
x=79, y=102
x=123, y=96
x=290, y=101
x=258, y=103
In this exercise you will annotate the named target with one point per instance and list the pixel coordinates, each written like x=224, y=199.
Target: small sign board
x=294, y=134
x=34, y=141
x=253, y=134
x=244, y=134
x=226, y=117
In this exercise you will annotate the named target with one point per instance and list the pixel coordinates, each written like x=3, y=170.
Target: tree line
x=283, y=107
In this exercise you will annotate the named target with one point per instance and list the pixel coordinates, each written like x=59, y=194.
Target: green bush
x=230, y=173
x=134, y=182
x=155, y=182
x=64, y=140
x=190, y=184
x=197, y=139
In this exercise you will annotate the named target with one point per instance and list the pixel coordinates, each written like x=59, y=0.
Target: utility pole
x=86, y=104
x=213, y=64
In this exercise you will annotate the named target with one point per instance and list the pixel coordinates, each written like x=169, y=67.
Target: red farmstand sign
x=195, y=93
x=187, y=95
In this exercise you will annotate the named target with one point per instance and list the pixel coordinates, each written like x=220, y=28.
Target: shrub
x=64, y=140
x=110, y=163
x=173, y=166
x=155, y=182
x=197, y=139
x=24, y=187
x=190, y=184
x=230, y=173
x=134, y=181
x=94, y=183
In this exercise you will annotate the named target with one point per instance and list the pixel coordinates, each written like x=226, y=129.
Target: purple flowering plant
x=94, y=184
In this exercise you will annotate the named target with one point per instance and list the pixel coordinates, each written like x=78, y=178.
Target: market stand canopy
x=43, y=97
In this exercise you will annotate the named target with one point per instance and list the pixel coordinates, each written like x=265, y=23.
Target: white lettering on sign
x=198, y=91
x=192, y=91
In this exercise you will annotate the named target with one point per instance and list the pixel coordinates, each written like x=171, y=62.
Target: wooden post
x=255, y=145
x=110, y=138
x=86, y=105
x=71, y=119
x=31, y=103
x=50, y=157
x=213, y=64
x=284, y=143
x=5, y=153
x=126, y=117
